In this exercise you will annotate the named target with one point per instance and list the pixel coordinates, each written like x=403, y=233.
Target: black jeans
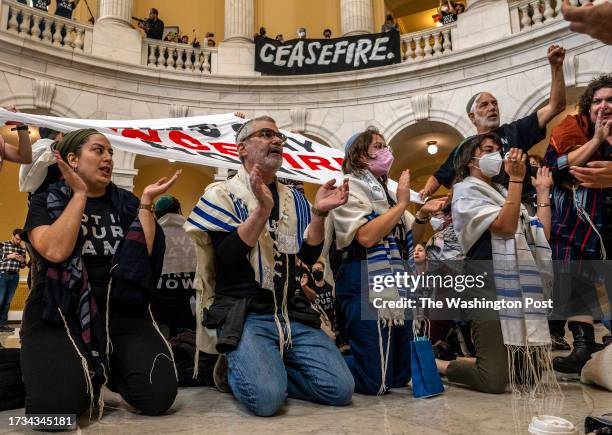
x=140, y=366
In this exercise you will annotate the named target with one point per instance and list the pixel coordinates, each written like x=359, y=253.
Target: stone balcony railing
x=529, y=14
x=427, y=43
x=31, y=28
x=36, y=25
x=177, y=57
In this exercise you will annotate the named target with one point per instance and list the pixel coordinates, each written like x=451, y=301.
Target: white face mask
x=436, y=223
x=491, y=164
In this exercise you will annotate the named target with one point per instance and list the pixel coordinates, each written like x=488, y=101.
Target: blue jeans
x=8, y=285
x=363, y=336
x=311, y=369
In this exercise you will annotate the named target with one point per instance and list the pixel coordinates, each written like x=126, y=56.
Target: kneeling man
x=248, y=231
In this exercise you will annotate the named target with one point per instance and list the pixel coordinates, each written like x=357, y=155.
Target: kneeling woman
x=375, y=230
x=97, y=255
x=512, y=345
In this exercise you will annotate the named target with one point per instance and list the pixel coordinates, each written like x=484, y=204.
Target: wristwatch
x=149, y=207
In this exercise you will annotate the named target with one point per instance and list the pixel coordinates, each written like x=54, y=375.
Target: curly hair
x=584, y=105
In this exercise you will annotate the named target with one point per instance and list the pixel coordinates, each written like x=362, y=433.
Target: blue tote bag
x=426, y=381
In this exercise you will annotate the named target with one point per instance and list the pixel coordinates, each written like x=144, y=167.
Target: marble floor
x=457, y=411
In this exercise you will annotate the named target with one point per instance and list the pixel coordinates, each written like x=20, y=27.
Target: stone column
x=113, y=34
x=238, y=20
x=118, y=11
x=124, y=171
x=356, y=17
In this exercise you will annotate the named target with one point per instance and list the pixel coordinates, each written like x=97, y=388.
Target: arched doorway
x=410, y=148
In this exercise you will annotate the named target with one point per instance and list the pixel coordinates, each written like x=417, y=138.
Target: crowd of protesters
x=290, y=293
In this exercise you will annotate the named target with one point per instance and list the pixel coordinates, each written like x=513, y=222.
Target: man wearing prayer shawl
x=248, y=231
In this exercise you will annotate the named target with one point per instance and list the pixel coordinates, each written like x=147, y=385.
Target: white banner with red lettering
x=205, y=140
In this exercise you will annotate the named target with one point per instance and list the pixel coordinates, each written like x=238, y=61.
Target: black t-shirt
x=155, y=28
x=325, y=299
x=174, y=289
x=448, y=17
x=64, y=8
x=100, y=236
x=43, y=5
x=235, y=276
x=523, y=133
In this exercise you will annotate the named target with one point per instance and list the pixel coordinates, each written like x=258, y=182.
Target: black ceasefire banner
x=321, y=56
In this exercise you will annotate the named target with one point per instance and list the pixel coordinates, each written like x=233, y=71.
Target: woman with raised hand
x=374, y=229
x=98, y=254
x=509, y=249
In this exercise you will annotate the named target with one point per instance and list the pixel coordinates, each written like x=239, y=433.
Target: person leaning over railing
x=99, y=254
x=509, y=248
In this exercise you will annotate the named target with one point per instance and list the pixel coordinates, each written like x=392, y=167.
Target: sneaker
x=559, y=343
x=220, y=374
x=5, y=328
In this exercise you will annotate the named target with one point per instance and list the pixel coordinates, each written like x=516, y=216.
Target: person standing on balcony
x=524, y=133
x=65, y=8
x=42, y=5
x=389, y=24
x=12, y=258
x=153, y=26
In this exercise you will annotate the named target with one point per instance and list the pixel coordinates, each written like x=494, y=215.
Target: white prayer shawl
x=32, y=175
x=523, y=269
x=223, y=207
x=367, y=200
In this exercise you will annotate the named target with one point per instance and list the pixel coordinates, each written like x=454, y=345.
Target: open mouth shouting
x=106, y=171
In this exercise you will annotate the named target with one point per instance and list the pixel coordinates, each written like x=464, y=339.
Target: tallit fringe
x=171, y=357
x=88, y=382
x=531, y=373
x=384, y=357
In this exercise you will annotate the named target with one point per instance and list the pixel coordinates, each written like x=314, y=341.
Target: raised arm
x=146, y=217
x=56, y=242
x=328, y=198
x=373, y=232
x=507, y=220
x=556, y=101
x=542, y=184
x=250, y=230
x=582, y=155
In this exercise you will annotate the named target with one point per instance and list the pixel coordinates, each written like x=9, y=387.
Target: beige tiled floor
x=457, y=411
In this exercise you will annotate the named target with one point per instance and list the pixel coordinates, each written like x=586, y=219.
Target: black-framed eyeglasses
x=268, y=134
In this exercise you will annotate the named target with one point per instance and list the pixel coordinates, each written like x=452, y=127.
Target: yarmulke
x=470, y=103
x=164, y=202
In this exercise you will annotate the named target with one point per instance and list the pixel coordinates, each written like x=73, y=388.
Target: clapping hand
x=543, y=180
x=160, y=187
x=72, y=179
x=330, y=197
x=260, y=190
